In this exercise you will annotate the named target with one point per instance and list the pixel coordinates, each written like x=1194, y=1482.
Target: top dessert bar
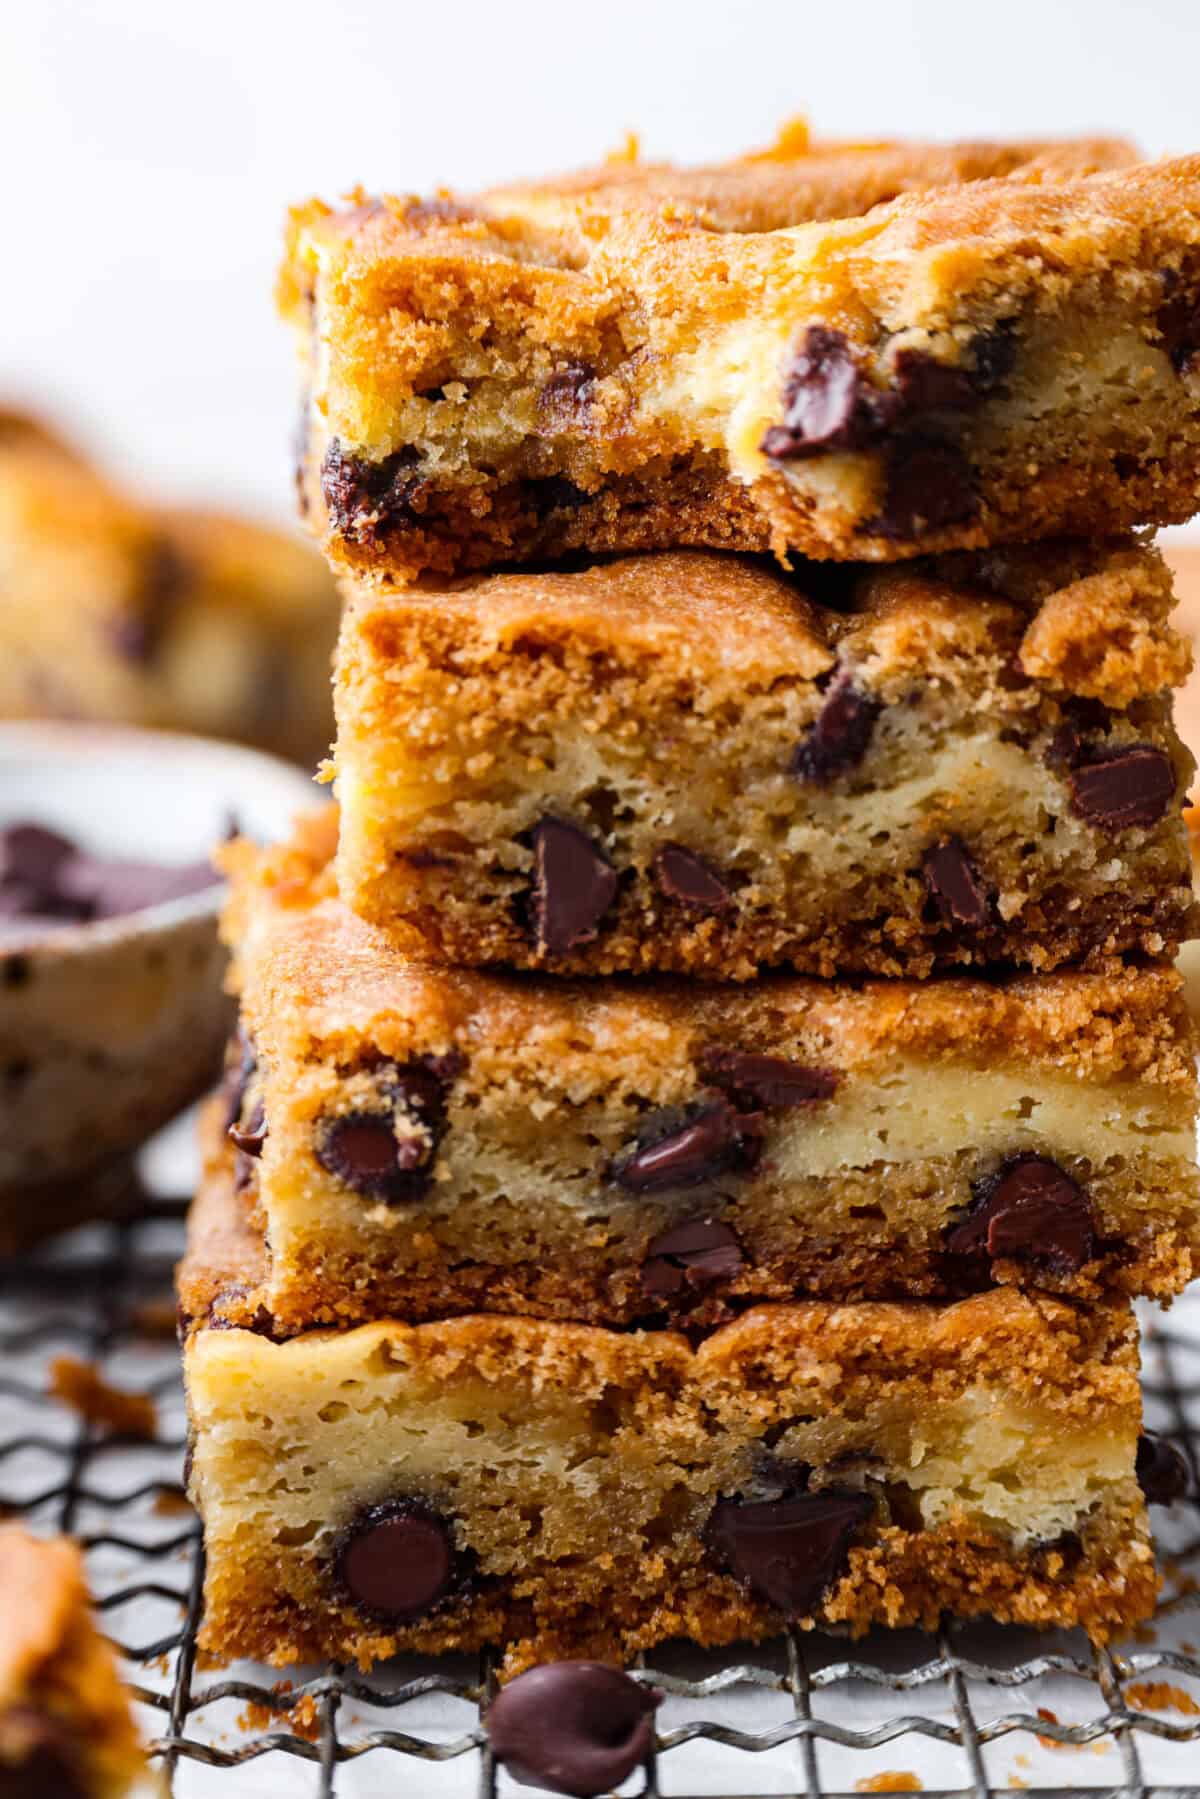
x=114, y=610
x=754, y=357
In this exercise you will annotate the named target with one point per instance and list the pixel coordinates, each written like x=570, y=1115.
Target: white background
x=148, y=149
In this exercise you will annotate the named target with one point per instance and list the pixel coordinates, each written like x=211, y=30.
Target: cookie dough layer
x=65, y=1721
x=567, y=1491
x=117, y=611
x=749, y=358
x=420, y=1140
x=685, y=763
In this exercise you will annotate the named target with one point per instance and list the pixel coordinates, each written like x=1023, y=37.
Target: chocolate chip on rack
x=572, y=1727
x=574, y=884
x=675, y=1150
x=955, y=885
x=1125, y=787
x=753, y=1081
x=838, y=740
x=1030, y=1209
x=398, y=1560
x=789, y=1551
x=686, y=877
x=690, y=1255
x=1161, y=1470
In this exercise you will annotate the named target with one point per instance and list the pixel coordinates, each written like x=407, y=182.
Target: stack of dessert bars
x=704, y=1110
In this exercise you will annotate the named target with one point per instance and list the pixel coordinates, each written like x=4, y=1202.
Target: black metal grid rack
x=975, y=1711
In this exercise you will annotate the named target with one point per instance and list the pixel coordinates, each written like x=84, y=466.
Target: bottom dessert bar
x=565, y=1490
x=66, y=1729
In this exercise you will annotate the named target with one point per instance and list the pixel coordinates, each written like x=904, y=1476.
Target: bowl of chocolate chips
x=112, y=1008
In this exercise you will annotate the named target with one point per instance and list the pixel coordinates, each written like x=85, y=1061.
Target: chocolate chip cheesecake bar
x=566, y=1490
x=689, y=763
x=66, y=1731
x=756, y=357
x=114, y=610
x=418, y=1140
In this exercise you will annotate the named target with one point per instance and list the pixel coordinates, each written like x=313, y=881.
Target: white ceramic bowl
x=108, y=1029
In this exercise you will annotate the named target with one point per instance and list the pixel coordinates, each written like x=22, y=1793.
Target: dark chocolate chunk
x=789, y=1551
x=1122, y=788
x=828, y=404
x=574, y=884
x=572, y=1727
x=929, y=485
x=1030, y=1209
x=1178, y=320
x=251, y=1136
x=690, y=1255
x=838, y=739
x=753, y=1082
x=1162, y=1470
x=38, y=1758
x=684, y=1150
x=955, y=885
x=388, y=1154
x=566, y=398
x=686, y=877
x=365, y=498
x=397, y=1560
x=31, y=856
x=45, y=875
x=923, y=384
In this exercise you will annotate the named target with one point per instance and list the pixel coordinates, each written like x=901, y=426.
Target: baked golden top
x=1094, y=618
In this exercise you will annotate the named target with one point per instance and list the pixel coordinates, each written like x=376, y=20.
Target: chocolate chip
x=995, y=355
x=789, y=1551
x=574, y=884
x=753, y=1081
x=686, y=877
x=565, y=399
x=1162, y=1470
x=397, y=1561
x=929, y=486
x=365, y=498
x=925, y=385
x=251, y=1136
x=1178, y=321
x=1030, y=1209
x=684, y=1150
x=388, y=1154
x=1124, y=787
x=38, y=1758
x=955, y=885
x=553, y=493
x=690, y=1255
x=828, y=404
x=838, y=739
x=572, y=1727
x=241, y=1065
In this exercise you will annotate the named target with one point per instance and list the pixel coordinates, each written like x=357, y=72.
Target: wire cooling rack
x=974, y=1711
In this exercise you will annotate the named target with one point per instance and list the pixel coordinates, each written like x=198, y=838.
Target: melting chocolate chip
x=789, y=1551
x=251, y=1136
x=38, y=1759
x=365, y=498
x=838, y=739
x=828, y=404
x=397, y=1561
x=1178, y=321
x=565, y=398
x=684, y=1150
x=572, y=1727
x=241, y=1065
x=388, y=1154
x=690, y=1255
x=1121, y=788
x=686, y=877
x=929, y=486
x=955, y=885
x=1030, y=1209
x=1162, y=1471
x=753, y=1082
x=574, y=884
x=924, y=384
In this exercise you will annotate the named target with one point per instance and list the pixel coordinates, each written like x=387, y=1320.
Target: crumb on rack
x=81, y=1385
x=895, y=1780
x=1160, y=1695
x=300, y=1717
